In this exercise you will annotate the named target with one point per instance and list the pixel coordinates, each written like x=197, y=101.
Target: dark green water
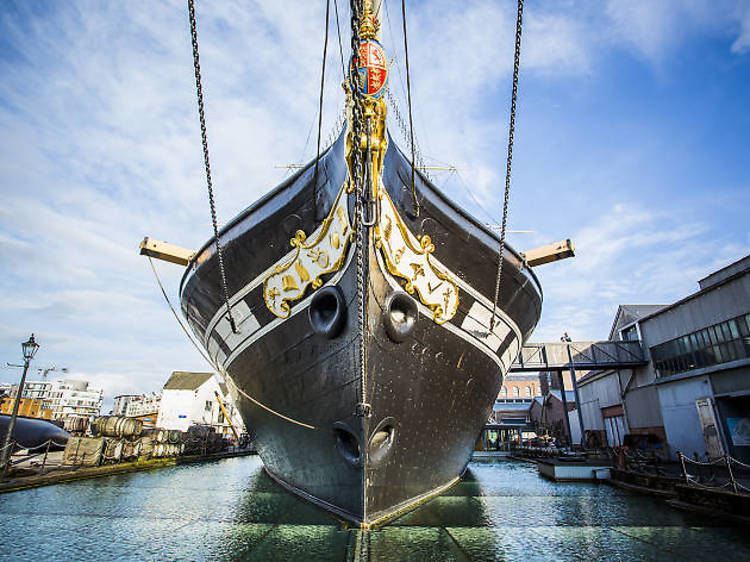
x=231, y=510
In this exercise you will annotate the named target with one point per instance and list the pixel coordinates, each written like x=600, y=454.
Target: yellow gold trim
x=425, y=281
x=409, y=506
x=311, y=260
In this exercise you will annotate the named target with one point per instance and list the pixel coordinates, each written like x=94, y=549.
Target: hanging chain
x=415, y=201
x=511, y=131
x=363, y=408
x=204, y=139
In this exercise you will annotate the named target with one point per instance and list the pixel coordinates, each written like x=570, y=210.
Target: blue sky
x=632, y=140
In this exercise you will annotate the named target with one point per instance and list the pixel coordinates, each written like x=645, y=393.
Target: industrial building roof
x=629, y=313
x=182, y=380
x=570, y=396
x=512, y=406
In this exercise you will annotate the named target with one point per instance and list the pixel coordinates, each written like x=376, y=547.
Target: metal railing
x=586, y=355
x=720, y=473
x=31, y=453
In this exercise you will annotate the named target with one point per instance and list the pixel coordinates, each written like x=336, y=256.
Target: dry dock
x=231, y=510
x=63, y=474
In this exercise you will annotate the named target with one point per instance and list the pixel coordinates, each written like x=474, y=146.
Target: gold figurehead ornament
x=405, y=255
x=368, y=76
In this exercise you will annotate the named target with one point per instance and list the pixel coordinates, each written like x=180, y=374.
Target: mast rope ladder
x=511, y=132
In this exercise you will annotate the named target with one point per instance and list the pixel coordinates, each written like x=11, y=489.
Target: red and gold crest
x=372, y=69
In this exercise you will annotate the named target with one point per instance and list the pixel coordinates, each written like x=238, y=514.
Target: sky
x=631, y=140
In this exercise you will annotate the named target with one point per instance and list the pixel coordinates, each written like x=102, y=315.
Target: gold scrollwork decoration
x=310, y=260
x=410, y=258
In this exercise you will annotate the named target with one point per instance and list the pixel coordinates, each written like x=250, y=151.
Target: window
x=504, y=392
x=615, y=429
x=527, y=391
x=209, y=405
x=516, y=392
x=629, y=334
x=720, y=343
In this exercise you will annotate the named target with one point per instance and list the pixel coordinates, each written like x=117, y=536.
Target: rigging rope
x=204, y=139
x=210, y=362
x=320, y=105
x=177, y=316
x=405, y=133
x=511, y=131
x=338, y=32
x=411, y=119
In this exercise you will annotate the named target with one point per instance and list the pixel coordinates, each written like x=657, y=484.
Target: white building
x=136, y=405
x=65, y=397
x=143, y=405
x=190, y=398
x=74, y=398
x=38, y=390
x=121, y=404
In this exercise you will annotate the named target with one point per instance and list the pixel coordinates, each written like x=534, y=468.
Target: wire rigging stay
x=411, y=119
x=320, y=105
x=509, y=161
x=204, y=139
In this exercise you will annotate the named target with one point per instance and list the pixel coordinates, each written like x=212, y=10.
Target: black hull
x=429, y=394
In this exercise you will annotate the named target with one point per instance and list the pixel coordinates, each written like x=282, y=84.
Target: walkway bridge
x=584, y=355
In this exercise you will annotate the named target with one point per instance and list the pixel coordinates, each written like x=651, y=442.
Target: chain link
x=511, y=132
x=204, y=139
x=356, y=164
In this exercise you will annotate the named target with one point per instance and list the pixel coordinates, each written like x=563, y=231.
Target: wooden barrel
x=131, y=428
x=128, y=449
x=98, y=425
x=174, y=436
x=146, y=447
x=109, y=427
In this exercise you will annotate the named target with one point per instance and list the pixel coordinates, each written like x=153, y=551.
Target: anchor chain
x=509, y=161
x=204, y=140
x=363, y=408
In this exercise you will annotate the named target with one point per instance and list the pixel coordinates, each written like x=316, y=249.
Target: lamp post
x=29, y=348
x=566, y=339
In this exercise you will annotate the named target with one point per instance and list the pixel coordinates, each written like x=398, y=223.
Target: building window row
x=720, y=343
x=516, y=391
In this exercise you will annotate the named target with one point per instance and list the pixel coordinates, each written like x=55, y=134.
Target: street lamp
x=29, y=348
x=566, y=339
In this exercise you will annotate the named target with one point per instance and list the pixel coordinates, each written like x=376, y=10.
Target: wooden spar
x=549, y=253
x=226, y=415
x=165, y=251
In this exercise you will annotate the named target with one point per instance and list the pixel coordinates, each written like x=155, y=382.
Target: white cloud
x=633, y=255
x=742, y=44
x=100, y=146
